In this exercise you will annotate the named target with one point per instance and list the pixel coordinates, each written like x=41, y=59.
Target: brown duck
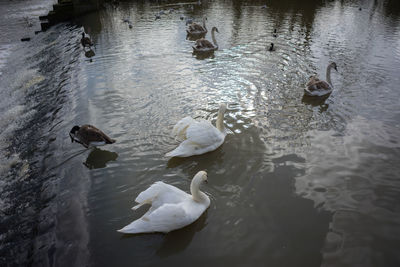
x=89, y=136
x=85, y=41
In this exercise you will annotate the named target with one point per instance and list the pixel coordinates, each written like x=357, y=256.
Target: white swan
x=199, y=137
x=197, y=29
x=317, y=87
x=203, y=45
x=171, y=208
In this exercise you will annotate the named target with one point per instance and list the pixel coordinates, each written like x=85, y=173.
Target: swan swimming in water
x=199, y=137
x=317, y=87
x=203, y=45
x=171, y=208
x=195, y=28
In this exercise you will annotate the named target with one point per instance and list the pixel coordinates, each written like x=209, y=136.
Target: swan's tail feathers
x=173, y=153
x=181, y=126
x=139, y=205
x=136, y=227
x=185, y=149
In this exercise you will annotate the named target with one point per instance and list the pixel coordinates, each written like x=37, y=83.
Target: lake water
x=298, y=182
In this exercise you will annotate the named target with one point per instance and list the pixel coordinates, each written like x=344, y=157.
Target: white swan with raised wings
x=199, y=136
x=171, y=208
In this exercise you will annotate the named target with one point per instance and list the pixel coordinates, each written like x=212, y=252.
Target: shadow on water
x=178, y=240
x=98, y=158
x=203, y=162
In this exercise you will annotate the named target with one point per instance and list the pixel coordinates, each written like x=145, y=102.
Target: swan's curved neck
x=213, y=38
x=328, y=74
x=195, y=190
x=220, y=121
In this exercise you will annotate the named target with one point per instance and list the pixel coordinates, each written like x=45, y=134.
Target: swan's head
x=73, y=132
x=222, y=108
x=333, y=64
x=198, y=179
x=201, y=176
x=215, y=29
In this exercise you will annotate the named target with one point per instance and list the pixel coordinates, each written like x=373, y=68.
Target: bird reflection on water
x=99, y=158
x=316, y=101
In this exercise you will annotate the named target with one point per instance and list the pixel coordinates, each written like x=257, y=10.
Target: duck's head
x=271, y=47
x=83, y=35
x=274, y=30
x=73, y=132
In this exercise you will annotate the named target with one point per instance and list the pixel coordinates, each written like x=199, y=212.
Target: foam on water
x=14, y=114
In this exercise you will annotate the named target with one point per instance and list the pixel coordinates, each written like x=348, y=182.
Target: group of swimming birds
x=172, y=208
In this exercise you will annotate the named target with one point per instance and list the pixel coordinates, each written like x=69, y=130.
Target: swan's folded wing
x=158, y=194
x=203, y=43
x=180, y=127
x=319, y=85
x=203, y=133
x=147, y=196
x=196, y=27
x=313, y=80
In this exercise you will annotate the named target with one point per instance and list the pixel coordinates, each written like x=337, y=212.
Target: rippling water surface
x=298, y=182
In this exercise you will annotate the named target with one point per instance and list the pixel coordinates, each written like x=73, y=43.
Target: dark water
x=298, y=182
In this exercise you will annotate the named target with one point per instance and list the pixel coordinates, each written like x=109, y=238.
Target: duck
x=203, y=45
x=89, y=136
x=317, y=87
x=171, y=208
x=199, y=136
x=197, y=29
x=85, y=41
x=271, y=47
